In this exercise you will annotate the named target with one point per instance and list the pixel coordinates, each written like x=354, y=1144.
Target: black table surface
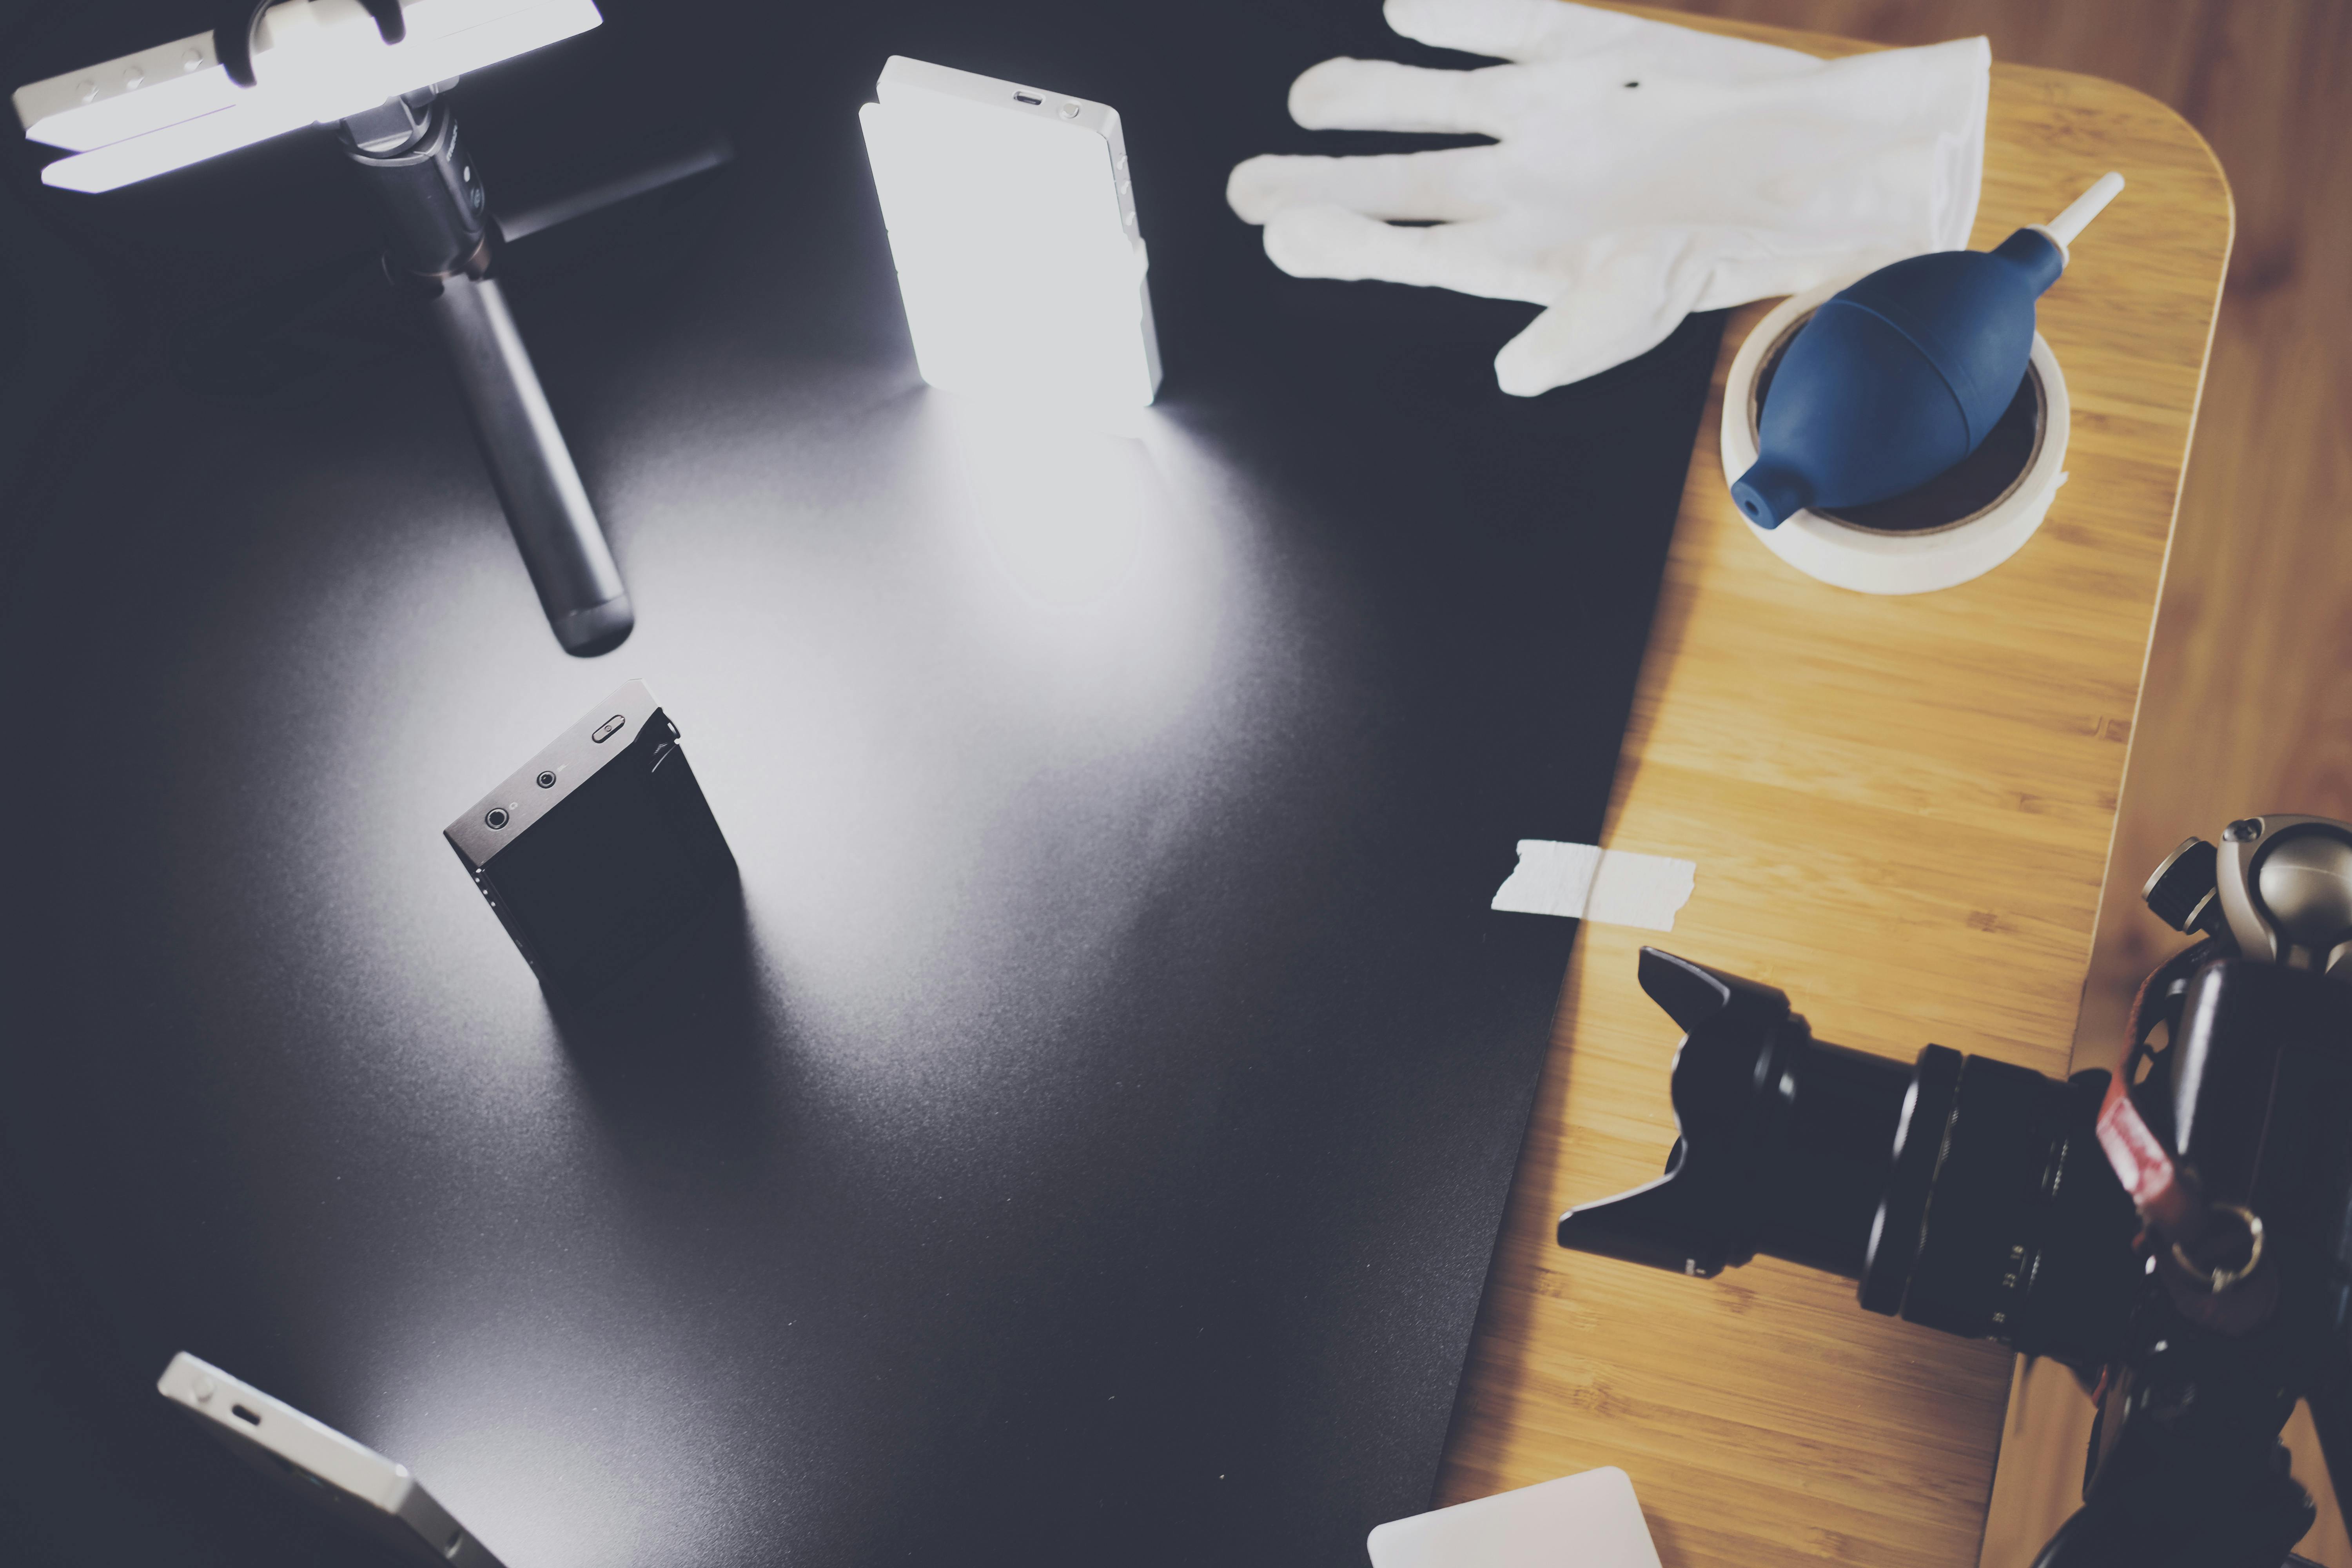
x=1088, y=1143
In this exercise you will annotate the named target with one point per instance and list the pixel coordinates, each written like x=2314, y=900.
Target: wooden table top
x=1900, y=810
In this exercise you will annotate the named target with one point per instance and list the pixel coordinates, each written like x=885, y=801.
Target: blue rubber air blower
x=1901, y=375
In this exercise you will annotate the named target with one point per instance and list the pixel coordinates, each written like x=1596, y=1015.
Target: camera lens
x=495, y=818
x=2001, y=1217
x=1838, y=1112
x=1962, y=1193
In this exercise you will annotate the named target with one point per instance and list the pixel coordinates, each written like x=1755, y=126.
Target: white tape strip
x=1587, y=882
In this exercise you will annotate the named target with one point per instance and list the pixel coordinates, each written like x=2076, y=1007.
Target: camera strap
x=2140, y=1159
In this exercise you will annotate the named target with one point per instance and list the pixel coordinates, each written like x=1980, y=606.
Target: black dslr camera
x=2180, y=1234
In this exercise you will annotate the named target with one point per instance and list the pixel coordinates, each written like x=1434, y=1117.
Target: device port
x=1024, y=98
x=242, y=1414
x=495, y=818
x=546, y=779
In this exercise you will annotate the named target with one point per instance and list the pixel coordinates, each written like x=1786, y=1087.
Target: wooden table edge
x=1830, y=46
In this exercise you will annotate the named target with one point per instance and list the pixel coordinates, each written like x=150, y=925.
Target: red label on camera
x=2140, y=1160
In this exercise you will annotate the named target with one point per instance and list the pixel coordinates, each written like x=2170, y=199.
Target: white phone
x=375, y=1496
x=1014, y=228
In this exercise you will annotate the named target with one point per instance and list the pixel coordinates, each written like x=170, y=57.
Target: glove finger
x=1381, y=95
x=1768, y=270
x=1931, y=104
x=1448, y=186
x=1630, y=292
x=1529, y=30
x=1510, y=29
x=1333, y=242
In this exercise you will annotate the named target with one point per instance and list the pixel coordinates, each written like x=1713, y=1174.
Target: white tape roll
x=1872, y=561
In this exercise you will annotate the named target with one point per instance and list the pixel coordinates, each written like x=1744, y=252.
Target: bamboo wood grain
x=1901, y=812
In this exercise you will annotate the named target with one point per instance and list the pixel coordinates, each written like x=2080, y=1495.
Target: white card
x=1588, y=1520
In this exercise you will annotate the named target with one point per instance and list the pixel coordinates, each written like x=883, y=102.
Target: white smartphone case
x=1587, y=1520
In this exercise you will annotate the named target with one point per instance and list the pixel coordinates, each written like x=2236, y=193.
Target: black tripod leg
x=556, y=529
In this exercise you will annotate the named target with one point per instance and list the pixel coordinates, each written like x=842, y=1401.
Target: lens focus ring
x=1918, y=1153
x=1980, y=1237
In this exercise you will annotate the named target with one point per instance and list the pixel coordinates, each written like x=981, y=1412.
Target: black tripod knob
x=2184, y=890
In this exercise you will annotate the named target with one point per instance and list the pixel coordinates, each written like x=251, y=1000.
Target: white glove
x=1641, y=172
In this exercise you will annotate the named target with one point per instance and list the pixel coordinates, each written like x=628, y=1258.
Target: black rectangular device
x=599, y=851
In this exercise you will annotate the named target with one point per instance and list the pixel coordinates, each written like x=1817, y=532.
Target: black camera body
x=2179, y=1233
x=600, y=851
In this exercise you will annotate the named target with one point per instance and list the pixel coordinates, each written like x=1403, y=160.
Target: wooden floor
x=2248, y=701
